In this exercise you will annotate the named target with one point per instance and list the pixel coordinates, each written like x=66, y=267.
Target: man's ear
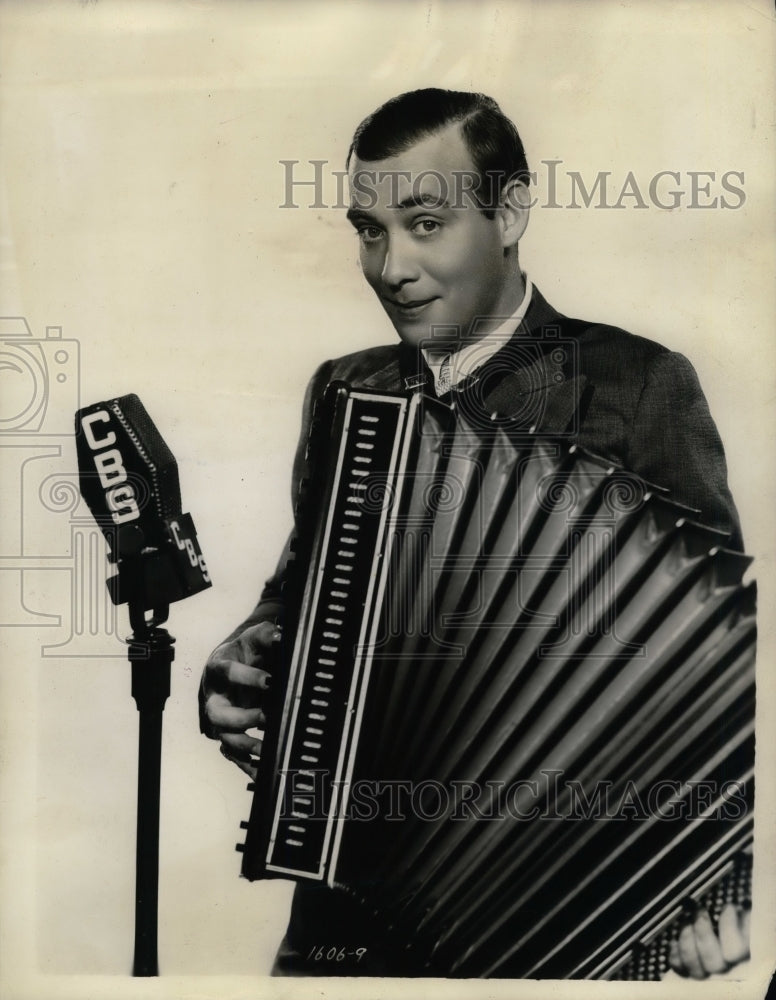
x=513, y=211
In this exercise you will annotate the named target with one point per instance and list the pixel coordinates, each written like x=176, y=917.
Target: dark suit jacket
x=622, y=397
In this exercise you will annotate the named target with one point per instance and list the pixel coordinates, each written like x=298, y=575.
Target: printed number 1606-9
x=334, y=954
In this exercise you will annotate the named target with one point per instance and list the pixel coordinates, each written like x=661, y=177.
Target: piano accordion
x=514, y=716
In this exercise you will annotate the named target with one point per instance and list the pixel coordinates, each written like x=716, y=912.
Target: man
x=440, y=199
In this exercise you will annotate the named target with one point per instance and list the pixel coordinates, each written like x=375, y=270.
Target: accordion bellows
x=515, y=712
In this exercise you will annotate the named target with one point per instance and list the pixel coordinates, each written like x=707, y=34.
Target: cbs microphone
x=129, y=480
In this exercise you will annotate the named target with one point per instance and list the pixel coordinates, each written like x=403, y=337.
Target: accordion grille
x=518, y=718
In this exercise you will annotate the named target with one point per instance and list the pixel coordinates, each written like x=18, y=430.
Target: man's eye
x=426, y=227
x=369, y=234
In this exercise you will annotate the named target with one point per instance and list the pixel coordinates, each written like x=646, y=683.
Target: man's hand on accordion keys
x=235, y=681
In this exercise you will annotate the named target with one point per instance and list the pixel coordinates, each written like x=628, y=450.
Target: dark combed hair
x=491, y=138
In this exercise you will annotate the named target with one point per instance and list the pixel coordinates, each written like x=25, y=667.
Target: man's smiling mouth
x=408, y=306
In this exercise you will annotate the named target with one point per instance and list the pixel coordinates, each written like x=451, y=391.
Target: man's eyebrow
x=354, y=214
x=427, y=200
x=421, y=200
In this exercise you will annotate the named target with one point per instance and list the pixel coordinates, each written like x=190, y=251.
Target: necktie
x=443, y=380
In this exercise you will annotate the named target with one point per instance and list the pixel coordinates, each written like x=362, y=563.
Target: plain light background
x=141, y=193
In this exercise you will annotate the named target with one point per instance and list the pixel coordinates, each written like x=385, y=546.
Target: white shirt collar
x=468, y=359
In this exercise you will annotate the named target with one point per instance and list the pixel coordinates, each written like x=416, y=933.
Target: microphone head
x=129, y=480
x=128, y=475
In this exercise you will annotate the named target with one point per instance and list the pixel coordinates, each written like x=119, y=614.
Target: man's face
x=434, y=262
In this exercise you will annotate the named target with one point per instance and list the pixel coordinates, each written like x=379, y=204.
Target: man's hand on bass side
x=699, y=951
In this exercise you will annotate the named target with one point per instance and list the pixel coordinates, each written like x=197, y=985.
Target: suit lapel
x=531, y=380
x=387, y=378
x=546, y=406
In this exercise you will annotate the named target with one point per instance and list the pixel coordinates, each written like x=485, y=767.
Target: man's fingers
x=701, y=951
x=708, y=944
x=746, y=924
x=245, y=765
x=225, y=717
x=242, y=750
x=242, y=685
x=257, y=640
x=241, y=745
x=688, y=952
x=234, y=673
x=733, y=942
x=674, y=960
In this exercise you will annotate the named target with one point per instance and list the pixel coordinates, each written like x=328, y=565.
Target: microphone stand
x=151, y=651
x=129, y=480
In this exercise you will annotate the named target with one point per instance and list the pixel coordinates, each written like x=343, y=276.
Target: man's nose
x=399, y=264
